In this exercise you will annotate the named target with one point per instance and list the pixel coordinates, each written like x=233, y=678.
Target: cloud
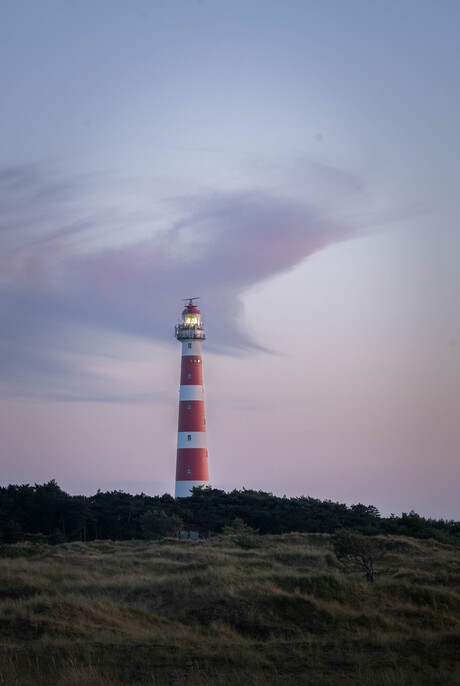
x=75, y=259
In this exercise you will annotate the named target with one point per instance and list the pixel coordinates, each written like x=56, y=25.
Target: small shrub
x=357, y=551
x=244, y=535
x=12, y=551
x=57, y=537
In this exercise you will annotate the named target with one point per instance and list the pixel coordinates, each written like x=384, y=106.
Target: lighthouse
x=192, y=453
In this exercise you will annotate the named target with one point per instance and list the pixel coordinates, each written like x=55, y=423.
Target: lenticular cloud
x=75, y=258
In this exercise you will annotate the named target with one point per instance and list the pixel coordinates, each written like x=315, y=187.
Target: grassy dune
x=212, y=612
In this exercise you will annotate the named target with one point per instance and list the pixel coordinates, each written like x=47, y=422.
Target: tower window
x=189, y=376
x=189, y=345
x=189, y=471
x=189, y=437
x=189, y=406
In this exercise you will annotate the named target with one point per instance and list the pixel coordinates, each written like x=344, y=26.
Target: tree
x=156, y=524
x=12, y=532
x=356, y=551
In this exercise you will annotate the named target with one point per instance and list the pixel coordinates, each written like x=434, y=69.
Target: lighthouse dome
x=191, y=309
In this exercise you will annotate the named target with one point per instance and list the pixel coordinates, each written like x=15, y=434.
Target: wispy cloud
x=73, y=259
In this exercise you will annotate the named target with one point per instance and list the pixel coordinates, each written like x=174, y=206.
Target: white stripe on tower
x=191, y=393
x=192, y=454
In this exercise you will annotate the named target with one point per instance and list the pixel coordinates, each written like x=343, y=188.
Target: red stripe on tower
x=192, y=453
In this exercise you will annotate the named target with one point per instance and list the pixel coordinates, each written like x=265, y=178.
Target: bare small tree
x=356, y=551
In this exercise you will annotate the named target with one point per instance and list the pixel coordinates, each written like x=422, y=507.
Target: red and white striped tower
x=192, y=454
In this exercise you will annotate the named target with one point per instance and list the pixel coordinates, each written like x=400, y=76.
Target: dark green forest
x=46, y=513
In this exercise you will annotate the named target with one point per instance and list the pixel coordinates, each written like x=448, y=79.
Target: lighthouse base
x=183, y=488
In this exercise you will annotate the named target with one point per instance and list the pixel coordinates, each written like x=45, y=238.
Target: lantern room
x=190, y=325
x=191, y=316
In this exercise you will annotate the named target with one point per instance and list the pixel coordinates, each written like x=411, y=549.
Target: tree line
x=46, y=513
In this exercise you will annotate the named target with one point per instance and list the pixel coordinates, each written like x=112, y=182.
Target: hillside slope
x=268, y=610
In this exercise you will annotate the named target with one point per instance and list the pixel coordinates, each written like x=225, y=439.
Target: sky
x=294, y=164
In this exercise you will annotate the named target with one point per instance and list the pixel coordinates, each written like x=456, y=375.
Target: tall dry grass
x=212, y=612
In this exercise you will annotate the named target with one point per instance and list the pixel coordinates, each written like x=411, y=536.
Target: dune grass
x=211, y=612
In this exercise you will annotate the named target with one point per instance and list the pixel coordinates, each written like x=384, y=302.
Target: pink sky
x=294, y=166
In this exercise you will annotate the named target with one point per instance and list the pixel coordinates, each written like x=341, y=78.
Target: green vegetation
x=238, y=608
x=274, y=593
x=47, y=513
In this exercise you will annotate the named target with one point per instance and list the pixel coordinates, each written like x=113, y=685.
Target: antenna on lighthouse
x=190, y=300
